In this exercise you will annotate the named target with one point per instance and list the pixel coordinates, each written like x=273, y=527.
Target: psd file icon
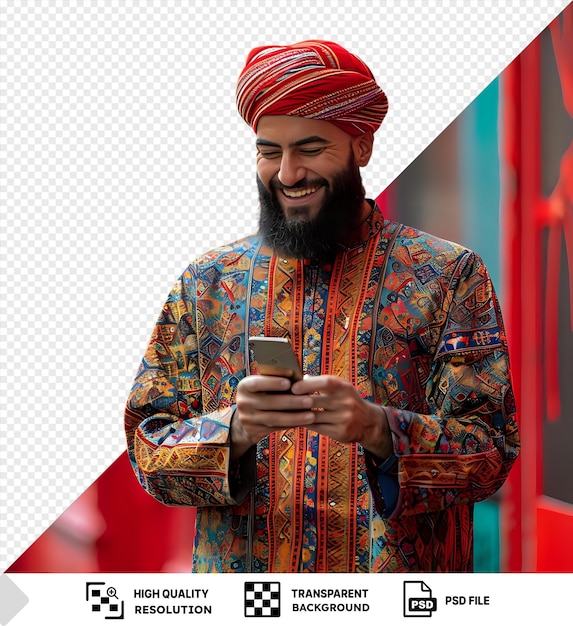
x=418, y=600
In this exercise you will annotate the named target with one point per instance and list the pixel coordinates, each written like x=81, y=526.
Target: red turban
x=316, y=79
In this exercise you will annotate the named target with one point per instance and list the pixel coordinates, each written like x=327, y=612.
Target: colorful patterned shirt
x=413, y=322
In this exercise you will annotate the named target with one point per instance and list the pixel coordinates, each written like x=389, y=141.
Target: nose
x=291, y=170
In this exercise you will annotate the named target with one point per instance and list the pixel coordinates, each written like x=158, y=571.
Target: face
x=309, y=184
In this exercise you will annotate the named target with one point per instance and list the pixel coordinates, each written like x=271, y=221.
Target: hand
x=266, y=404
x=342, y=414
x=328, y=404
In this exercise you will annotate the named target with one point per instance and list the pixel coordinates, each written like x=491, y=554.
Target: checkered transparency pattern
x=262, y=599
x=123, y=157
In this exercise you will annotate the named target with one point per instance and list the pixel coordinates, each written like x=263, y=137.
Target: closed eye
x=269, y=154
x=311, y=151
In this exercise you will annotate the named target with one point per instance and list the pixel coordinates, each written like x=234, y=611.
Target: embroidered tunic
x=413, y=322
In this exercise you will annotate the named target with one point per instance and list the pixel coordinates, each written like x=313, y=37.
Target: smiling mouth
x=299, y=193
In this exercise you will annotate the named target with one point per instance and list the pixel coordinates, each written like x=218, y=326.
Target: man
x=406, y=416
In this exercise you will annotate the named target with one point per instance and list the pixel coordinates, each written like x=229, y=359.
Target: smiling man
x=310, y=188
x=406, y=415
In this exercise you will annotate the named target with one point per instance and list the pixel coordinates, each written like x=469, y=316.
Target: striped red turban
x=316, y=79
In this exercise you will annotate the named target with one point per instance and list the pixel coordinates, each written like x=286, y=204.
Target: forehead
x=285, y=130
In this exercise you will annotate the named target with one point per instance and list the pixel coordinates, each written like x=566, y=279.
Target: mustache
x=276, y=185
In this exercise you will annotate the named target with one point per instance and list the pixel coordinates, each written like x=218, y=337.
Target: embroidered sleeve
x=177, y=435
x=462, y=450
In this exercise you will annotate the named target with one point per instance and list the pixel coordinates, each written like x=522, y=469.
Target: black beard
x=323, y=236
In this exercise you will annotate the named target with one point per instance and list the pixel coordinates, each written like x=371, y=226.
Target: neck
x=363, y=230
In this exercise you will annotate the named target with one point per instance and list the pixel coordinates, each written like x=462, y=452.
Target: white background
x=513, y=598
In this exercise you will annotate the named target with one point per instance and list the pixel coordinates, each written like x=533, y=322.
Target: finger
x=252, y=405
x=323, y=416
x=273, y=401
x=309, y=384
x=258, y=383
x=319, y=384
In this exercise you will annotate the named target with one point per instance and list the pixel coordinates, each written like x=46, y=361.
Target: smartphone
x=274, y=356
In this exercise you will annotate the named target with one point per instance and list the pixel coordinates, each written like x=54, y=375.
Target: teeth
x=299, y=193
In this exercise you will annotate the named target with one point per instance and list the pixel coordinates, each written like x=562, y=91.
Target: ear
x=362, y=146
